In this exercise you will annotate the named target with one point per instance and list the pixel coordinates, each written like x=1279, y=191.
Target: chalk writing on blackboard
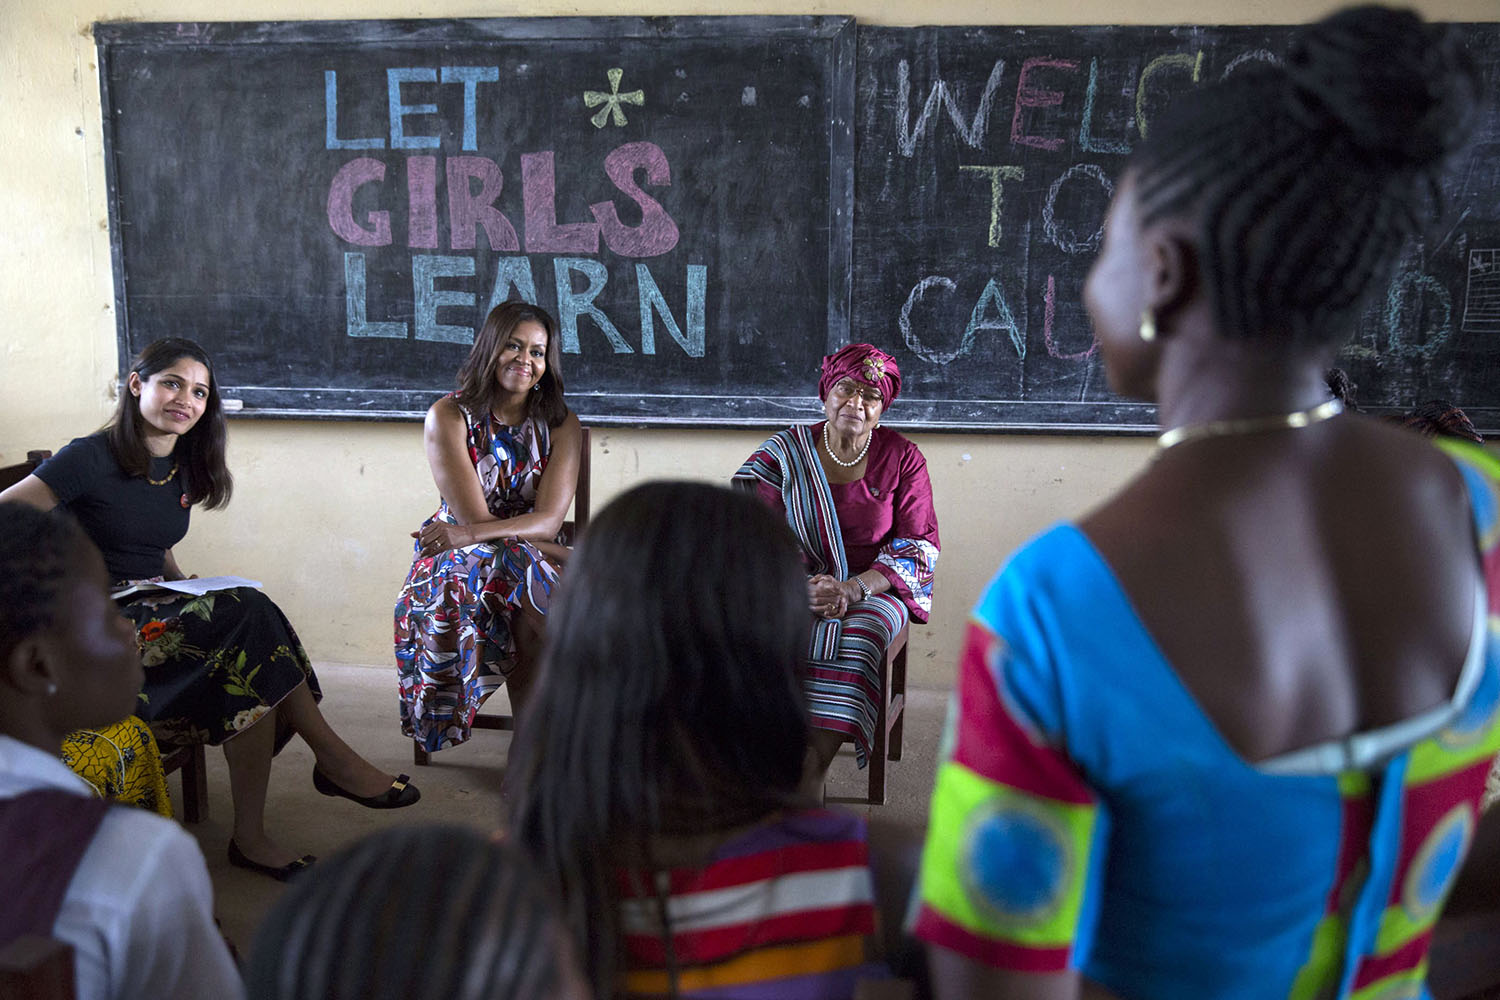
x=637, y=170
x=677, y=191
x=384, y=182
x=612, y=101
x=1482, y=295
x=986, y=161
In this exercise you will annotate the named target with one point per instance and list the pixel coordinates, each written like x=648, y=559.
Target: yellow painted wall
x=322, y=510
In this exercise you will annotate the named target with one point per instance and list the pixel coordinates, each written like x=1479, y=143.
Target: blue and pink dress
x=1089, y=815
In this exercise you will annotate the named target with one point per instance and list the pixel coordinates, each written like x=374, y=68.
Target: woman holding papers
x=224, y=667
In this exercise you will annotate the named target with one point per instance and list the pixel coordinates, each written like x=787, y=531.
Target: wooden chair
x=889, y=716
x=10, y=475
x=570, y=532
x=191, y=761
x=37, y=968
x=193, y=764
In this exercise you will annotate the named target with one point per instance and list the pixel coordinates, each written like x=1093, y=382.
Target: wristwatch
x=864, y=591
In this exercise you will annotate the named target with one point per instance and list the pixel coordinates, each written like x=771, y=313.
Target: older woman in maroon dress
x=858, y=499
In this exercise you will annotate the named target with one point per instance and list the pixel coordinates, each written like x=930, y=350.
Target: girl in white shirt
x=137, y=906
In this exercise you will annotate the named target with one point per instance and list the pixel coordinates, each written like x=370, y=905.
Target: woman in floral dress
x=504, y=452
x=223, y=668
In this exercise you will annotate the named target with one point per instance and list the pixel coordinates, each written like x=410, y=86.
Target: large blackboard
x=331, y=208
x=710, y=204
x=985, y=161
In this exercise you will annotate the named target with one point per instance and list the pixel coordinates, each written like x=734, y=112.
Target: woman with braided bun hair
x=1226, y=736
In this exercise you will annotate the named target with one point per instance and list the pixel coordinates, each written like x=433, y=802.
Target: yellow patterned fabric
x=122, y=762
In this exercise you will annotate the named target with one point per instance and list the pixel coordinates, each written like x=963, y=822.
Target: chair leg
x=876, y=760
x=876, y=766
x=195, y=786
x=420, y=757
x=898, y=701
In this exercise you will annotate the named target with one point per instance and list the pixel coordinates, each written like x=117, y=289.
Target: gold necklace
x=1249, y=425
x=165, y=479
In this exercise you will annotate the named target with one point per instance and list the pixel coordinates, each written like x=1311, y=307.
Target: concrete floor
x=462, y=786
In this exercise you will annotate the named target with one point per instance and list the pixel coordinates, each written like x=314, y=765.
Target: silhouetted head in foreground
x=416, y=913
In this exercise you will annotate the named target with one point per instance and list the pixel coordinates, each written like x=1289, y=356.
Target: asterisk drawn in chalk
x=612, y=100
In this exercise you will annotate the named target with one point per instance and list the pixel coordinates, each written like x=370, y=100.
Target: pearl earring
x=51, y=689
x=1148, y=325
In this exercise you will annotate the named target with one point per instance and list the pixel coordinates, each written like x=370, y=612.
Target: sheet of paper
x=197, y=587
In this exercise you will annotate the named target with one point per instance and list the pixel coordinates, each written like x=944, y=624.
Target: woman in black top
x=225, y=668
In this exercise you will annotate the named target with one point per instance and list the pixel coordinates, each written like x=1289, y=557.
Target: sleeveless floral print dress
x=454, y=616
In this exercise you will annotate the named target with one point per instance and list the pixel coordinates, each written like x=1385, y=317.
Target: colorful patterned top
x=1088, y=814
x=785, y=910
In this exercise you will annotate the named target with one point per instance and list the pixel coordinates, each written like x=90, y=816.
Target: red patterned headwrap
x=864, y=363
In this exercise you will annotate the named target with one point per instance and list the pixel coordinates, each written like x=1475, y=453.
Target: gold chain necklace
x=165, y=479
x=1249, y=425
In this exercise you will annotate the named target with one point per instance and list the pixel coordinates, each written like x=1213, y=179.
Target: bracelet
x=864, y=591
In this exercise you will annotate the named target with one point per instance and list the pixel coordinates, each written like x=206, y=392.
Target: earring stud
x=1148, y=325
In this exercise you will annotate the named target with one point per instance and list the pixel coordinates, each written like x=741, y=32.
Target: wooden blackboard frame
x=835, y=36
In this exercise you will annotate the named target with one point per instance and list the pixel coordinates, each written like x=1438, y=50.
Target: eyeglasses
x=869, y=394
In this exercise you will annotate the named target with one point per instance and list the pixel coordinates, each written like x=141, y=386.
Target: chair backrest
x=37, y=968
x=571, y=529
x=12, y=474
x=581, y=493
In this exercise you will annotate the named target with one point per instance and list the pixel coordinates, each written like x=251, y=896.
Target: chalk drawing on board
x=612, y=101
x=998, y=176
x=1482, y=296
x=972, y=131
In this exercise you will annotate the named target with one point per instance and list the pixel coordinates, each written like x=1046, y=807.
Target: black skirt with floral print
x=215, y=664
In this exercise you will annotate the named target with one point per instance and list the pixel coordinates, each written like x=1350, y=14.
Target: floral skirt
x=454, y=643
x=122, y=762
x=215, y=664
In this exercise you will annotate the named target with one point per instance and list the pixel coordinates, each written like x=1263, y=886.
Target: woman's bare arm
x=32, y=492
x=169, y=568
x=445, y=438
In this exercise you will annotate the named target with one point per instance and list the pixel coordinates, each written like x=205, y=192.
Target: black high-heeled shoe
x=398, y=795
x=282, y=874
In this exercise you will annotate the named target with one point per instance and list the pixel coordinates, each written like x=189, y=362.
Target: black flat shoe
x=398, y=795
x=282, y=874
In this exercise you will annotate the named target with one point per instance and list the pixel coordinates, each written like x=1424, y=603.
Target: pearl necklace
x=828, y=446
x=1249, y=425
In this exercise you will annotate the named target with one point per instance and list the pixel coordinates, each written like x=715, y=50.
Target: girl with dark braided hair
x=125, y=889
x=1227, y=735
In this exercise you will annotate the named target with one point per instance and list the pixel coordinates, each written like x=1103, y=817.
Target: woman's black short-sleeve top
x=132, y=519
